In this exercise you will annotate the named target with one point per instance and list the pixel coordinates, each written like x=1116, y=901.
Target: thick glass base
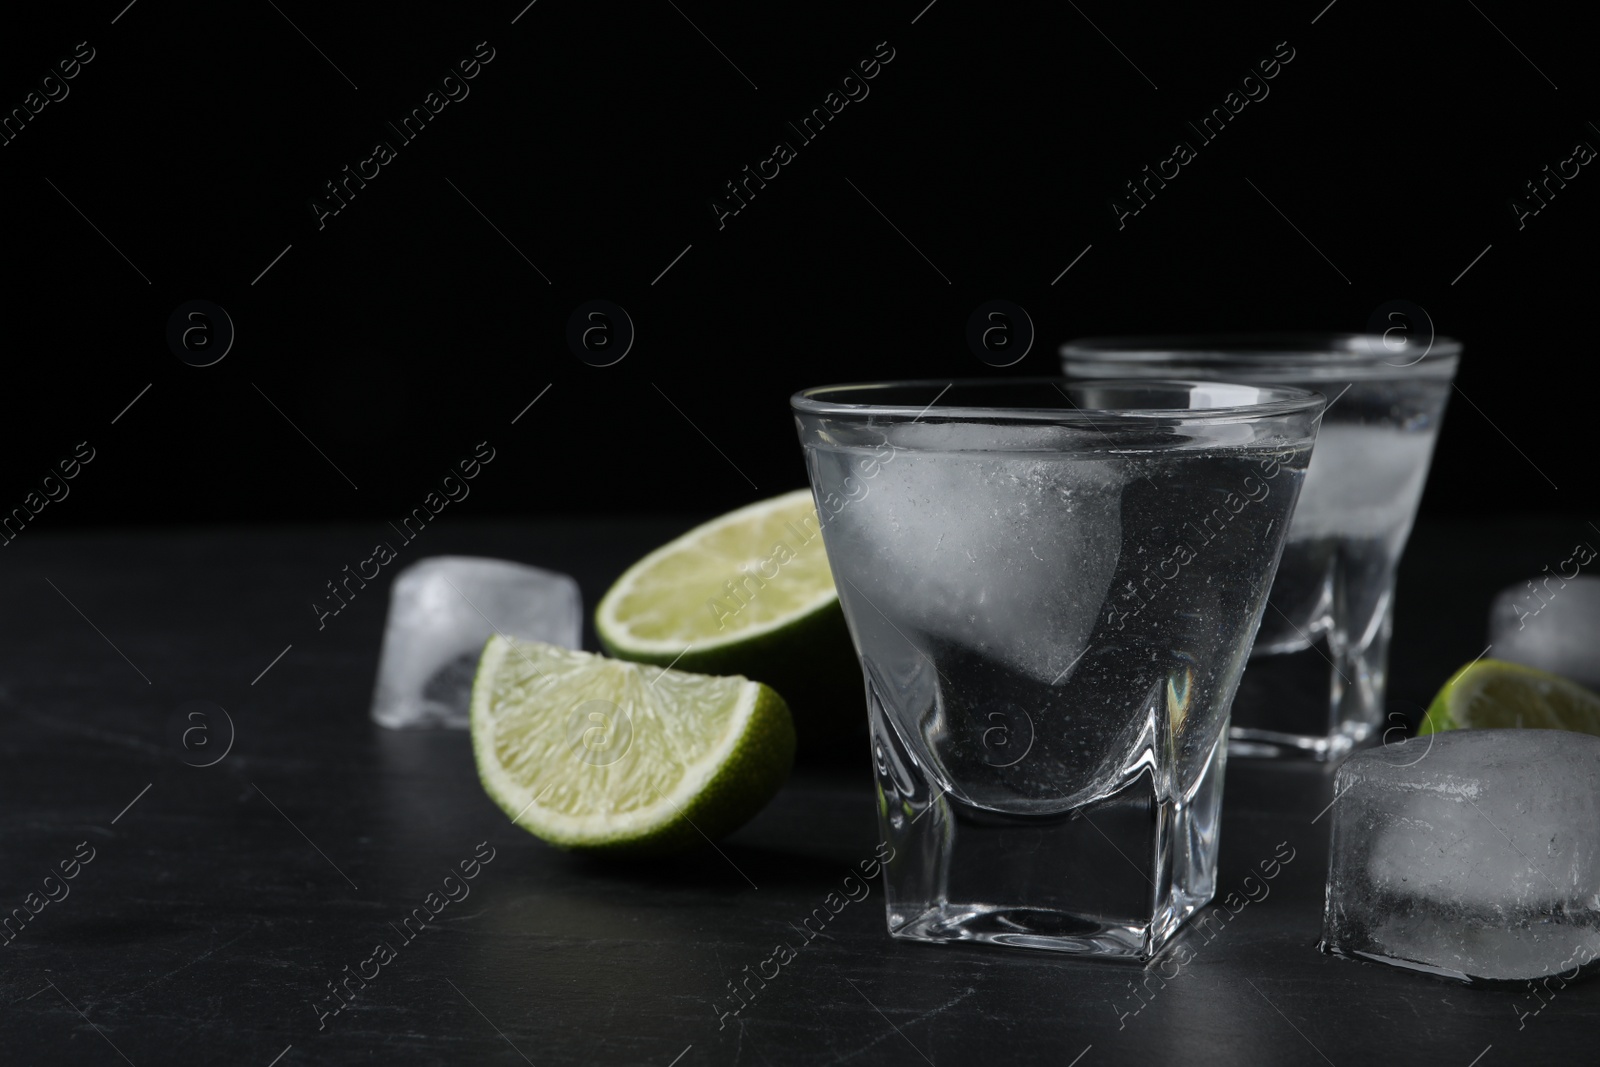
x=1315, y=702
x=1052, y=931
x=1112, y=878
x=1270, y=744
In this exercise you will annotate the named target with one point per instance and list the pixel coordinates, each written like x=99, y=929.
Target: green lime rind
x=1494, y=694
x=792, y=635
x=528, y=765
x=810, y=660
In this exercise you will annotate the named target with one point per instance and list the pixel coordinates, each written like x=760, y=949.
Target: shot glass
x=1052, y=588
x=1317, y=676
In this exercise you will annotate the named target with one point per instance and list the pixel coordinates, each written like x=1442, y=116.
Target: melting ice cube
x=1552, y=624
x=1471, y=854
x=441, y=611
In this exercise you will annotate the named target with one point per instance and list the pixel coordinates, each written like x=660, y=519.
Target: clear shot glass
x=1052, y=588
x=1318, y=673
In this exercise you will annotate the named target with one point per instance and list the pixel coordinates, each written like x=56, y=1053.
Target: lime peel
x=595, y=754
x=718, y=584
x=1495, y=694
x=749, y=593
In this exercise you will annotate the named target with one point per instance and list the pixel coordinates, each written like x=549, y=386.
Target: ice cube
x=441, y=611
x=1550, y=623
x=1471, y=854
x=1006, y=554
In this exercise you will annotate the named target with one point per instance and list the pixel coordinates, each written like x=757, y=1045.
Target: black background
x=407, y=329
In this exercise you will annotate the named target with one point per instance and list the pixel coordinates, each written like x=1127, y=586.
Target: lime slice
x=591, y=753
x=1495, y=694
x=738, y=578
x=749, y=593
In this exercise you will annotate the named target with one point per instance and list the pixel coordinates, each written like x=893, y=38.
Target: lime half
x=1496, y=694
x=591, y=753
x=748, y=593
x=737, y=579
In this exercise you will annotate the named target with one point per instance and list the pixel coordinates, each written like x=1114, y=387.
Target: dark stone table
x=217, y=904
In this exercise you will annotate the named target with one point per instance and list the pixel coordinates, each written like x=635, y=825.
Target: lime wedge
x=1495, y=694
x=590, y=753
x=748, y=593
x=738, y=578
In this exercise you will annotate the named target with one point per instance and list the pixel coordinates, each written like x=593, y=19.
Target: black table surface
x=221, y=901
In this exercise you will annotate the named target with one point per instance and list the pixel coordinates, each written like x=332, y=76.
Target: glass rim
x=1284, y=400
x=1319, y=353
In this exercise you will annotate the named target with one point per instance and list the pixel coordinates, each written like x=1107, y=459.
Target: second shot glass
x=1318, y=675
